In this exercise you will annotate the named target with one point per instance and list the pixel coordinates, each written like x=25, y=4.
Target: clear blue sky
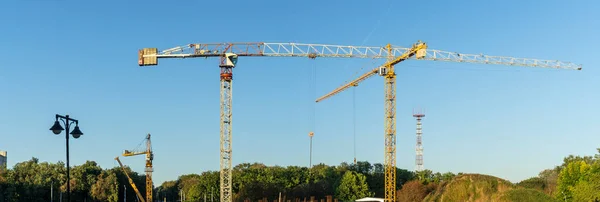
x=70, y=57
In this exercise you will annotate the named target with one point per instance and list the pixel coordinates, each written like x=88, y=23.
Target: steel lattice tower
x=226, y=84
x=419, y=147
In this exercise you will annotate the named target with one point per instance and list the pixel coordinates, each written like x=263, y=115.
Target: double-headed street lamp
x=57, y=129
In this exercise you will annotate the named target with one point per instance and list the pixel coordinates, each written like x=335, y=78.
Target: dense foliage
x=33, y=181
x=256, y=181
x=577, y=179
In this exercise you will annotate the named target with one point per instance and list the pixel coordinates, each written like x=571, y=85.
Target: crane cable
x=312, y=97
x=354, y=119
x=312, y=94
x=389, y=8
x=361, y=69
x=138, y=147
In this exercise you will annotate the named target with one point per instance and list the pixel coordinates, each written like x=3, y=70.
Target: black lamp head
x=76, y=132
x=56, y=128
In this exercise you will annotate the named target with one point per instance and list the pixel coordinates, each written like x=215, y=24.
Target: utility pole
x=51, y=191
x=419, y=148
x=311, y=134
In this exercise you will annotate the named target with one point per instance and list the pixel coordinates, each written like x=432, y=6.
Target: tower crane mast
x=228, y=54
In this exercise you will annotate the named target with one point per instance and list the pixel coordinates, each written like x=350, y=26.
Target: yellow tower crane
x=148, y=169
x=229, y=53
x=419, y=50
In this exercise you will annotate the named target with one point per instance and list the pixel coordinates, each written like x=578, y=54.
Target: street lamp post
x=57, y=129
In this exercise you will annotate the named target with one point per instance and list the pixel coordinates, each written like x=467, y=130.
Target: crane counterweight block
x=147, y=57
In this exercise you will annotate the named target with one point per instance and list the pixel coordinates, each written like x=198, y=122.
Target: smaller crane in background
x=149, y=169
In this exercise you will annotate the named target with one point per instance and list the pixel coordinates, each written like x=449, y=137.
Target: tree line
x=33, y=181
x=255, y=181
x=577, y=179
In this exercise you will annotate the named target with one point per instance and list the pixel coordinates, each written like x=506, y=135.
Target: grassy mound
x=477, y=187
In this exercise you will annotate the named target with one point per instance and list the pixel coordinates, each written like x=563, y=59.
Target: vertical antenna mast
x=311, y=134
x=419, y=147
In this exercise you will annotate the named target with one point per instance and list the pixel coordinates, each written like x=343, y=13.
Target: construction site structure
x=229, y=53
x=131, y=182
x=420, y=52
x=3, y=160
x=147, y=151
x=419, y=147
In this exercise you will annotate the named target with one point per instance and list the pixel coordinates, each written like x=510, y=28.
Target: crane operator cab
x=227, y=64
x=382, y=71
x=230, y=59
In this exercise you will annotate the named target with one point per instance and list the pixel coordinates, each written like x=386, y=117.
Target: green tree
x=569, y=177
x=138, y=180
x=167, y=190
x=448, y=176
x=403, y=176
x=376, y=180
x=550, y=177
x=106, y=187
x=587, y=189
x=83, y=177
x=352, y=186
x=425, y=176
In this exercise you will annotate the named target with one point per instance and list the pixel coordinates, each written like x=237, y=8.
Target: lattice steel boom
x=336, y=51
x=229, y=52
